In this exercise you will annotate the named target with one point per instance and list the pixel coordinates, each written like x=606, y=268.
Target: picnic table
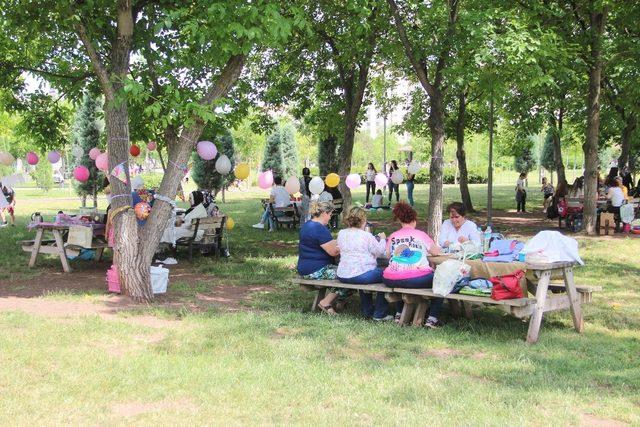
x=56, y=246
x=565, y=295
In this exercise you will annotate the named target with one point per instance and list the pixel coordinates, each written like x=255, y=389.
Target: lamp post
x=490, y=171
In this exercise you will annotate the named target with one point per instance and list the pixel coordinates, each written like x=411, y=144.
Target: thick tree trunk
x=460, y=153
x=436, y=125
x=630, y=125
x=590, y=146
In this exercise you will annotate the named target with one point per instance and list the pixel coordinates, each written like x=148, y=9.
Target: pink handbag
x=113, y=279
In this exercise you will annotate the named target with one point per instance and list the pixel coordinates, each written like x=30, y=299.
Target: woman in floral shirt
x=358, y=252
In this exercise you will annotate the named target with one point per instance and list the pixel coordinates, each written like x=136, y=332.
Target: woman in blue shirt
x=317, y=249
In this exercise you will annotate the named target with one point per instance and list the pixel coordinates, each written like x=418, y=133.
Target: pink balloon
x=102, y=162
x=94, y=153
x=381, y=180
x=353, y=181
x=81, y=173
x=206, y=150
x=53, y=156
x=152, y=146
x=32, y=158
x=265, y=180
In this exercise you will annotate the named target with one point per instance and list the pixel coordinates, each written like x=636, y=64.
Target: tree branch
x=417, y=64
x=96, y=62
x=446, y=49
x=336, y=54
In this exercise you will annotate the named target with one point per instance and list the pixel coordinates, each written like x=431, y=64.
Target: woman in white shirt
x=458, y=229
x=359, y=251
x=615, y=195
x=280, y=198
x=370, y=179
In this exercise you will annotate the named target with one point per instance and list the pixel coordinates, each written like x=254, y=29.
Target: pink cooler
x=113, y=280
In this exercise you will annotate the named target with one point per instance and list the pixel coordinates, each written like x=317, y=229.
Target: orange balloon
x=142, y=210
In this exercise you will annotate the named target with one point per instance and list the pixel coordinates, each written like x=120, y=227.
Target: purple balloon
x=53, y=156
x=206, y=150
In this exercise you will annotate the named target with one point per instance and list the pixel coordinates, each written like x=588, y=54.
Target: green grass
x=276, y=363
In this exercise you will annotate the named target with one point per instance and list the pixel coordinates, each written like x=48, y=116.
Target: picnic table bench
x=563, y=296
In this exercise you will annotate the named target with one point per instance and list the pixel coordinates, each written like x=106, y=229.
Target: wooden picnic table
x=55, y=246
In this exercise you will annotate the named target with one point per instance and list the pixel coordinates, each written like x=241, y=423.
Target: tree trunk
x=630, y=125
x=460, y=153
x=95, y=197
x=344, y=162
x=436, y=125
x=84, y=200
x=557, y=146
x=590, y=146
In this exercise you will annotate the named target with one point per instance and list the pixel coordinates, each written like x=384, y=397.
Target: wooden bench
x=97, y=245
x=563, y=296
x=287, y=215
x=213, y=228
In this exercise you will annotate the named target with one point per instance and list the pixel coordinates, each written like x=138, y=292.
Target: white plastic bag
x=159, y=279
x=627, y=213
x=447, y=275
x=552, y=247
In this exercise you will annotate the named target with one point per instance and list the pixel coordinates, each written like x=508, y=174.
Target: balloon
x=206, y=150
x=151, y=146
x=265, y=180
x=134, y=150
x=381, y=180
x=6, y=158
x=397, y=177
x=230, y=223
x=142, y=210
x=316, y=185
x=332, y=180
x=242, y=171
x=53, y=156
x=102, y=162
x=353, y=181
x=137, y=182
x=77, y=152
x=292, y=185
x=81, y=173
x=94, y=153
x=414, y=167
x=223, y=165
x=32, y=158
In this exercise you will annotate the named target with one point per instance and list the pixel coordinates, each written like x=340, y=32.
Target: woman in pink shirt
x=409, y=267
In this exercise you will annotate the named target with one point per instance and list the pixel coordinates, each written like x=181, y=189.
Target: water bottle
x=487, y=239
x=481, y=238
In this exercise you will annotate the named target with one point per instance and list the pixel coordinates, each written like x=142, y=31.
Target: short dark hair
x=458, y=207
x=277, y=180
x=306, y=172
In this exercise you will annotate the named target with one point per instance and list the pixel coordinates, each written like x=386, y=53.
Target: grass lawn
x=273, y=362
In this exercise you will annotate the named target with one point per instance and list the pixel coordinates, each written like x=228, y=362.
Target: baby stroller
x=571, y=213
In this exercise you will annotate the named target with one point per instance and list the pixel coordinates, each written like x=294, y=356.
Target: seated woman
x=616, y=197
x=316, y=251
x=196, y=211
x=458, y=229
x=358, y=253
x=408, y=264
x=577, y=189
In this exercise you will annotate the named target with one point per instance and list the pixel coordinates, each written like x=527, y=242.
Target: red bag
x=508, y=286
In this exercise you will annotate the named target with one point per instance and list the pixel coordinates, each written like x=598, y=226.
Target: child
x=547, y=191
x=376, y=200
x=521, y=193
x=10, y=196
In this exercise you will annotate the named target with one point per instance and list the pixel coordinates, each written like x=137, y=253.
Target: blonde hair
x=317, y=208
x=355, y=217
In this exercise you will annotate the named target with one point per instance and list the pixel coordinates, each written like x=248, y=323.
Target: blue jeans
x=393, y=187
x=366, y=302
x=410, y=186
x=422, y=282
x=267, y=220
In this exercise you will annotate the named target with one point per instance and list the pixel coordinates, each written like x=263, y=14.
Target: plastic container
x=159, y=280
x=113, y=279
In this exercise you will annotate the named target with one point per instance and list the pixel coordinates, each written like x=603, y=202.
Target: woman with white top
x=615, y=195
x=458, y=229
x=521, y=192
x=359, y=251
x=370, y=178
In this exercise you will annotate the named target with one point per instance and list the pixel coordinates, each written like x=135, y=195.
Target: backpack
x=552, y=212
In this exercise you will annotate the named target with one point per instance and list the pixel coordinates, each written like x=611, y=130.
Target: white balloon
x=414, y=167
x=223, y=165
x=397, y=177
x=316, y=186
x=292, y=185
